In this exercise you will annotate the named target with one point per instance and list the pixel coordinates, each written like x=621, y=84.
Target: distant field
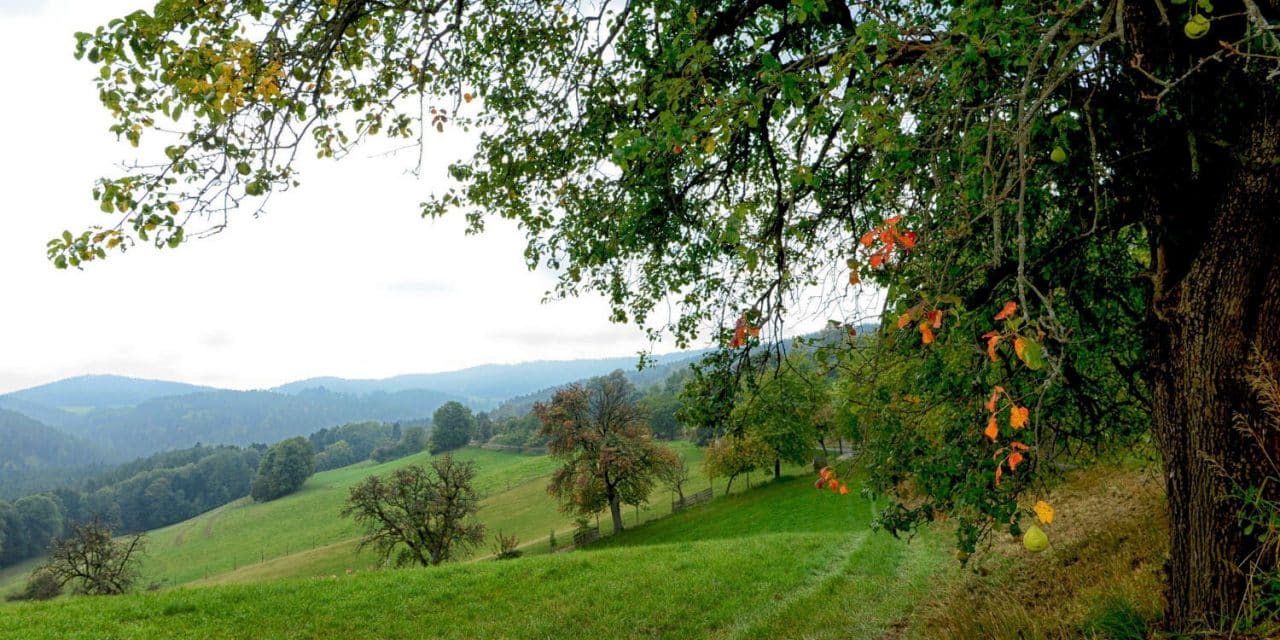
x=780, y=560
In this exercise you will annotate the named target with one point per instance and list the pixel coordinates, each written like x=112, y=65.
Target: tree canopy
x=601, y=435
x=419, y=515
x=1070, y=205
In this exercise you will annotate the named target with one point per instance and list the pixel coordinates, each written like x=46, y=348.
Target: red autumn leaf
x=844, y=489
x=935, y=318
x=1007, y=310
x=992, y=430
x=818, y=484
x=876, y=261
x=892, y=221
x=868, y=238
x=999, y=470
x=853, y=332
x=908, y=239
x=833, y=485
x=1018, y=445
x=926, y=334
x=904, y=320
x=1014, y=459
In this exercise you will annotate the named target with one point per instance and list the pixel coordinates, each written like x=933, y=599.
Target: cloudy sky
x=341, y=277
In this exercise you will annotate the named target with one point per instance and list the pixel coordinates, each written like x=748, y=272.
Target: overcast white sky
x=341, y=277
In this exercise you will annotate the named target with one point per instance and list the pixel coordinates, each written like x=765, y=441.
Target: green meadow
x=781, y=559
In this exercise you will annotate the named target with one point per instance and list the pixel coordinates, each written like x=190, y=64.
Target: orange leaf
x=892, y=221
x=1018, y=445
x=1007, y=311
x=995, y=395
x=868, y=238
x=844, y=489
x=904, y=320
x=1014, y=459
x=935, y=318
x=1018, y=345
x=992, y=430
x=467, y=97
x=1019, y=416
x=908, y=239
x=999, y=470
x=926, y=334
x=876, y=261
x=833, y=485
x=993, y=339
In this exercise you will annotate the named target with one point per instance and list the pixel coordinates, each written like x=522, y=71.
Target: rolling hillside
x=760, y=564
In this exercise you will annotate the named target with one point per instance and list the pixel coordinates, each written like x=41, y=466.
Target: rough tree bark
x=1209, y=187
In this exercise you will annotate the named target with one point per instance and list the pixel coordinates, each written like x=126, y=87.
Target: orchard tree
x=780, y=407
x=1070, y=204
x=419, y=515
x=601, y=436
x=452, y=427
x=732, y=455
x=92, y=561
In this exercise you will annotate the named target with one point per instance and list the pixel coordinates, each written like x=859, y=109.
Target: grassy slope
x=301, y=535
x=781, y=560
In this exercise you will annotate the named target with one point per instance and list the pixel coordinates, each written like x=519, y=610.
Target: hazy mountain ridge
x=101, y=391
x=486, y=386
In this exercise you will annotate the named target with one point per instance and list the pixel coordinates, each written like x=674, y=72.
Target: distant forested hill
x=27, y=445
x=243, y=417
x=488, y=385
x=101, y=391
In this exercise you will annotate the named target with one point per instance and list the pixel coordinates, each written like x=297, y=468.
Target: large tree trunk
x=1207, y=189
x=1217, y=300
x=615, y=510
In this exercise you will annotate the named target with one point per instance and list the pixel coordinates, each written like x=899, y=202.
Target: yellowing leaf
x=1019, y=345
x=854, y=278
x=1019, y=416
x=1044, y=512
x=992, y=429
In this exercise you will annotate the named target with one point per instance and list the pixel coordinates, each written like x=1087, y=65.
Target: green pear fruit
x=1197, y=26
x=1059, y=155
x=1035, y=540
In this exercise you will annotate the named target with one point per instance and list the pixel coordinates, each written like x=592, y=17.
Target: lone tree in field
x=601, y=436
x=419, y=515
x=1105, y=166
x=452, y=427
x=93, y=563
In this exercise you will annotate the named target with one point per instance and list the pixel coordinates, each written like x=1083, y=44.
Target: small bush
x=40, y=586
x=507, y=547
x=553, y=539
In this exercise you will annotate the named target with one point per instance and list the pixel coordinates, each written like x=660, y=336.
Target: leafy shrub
x=42, y=585
x=508, y=547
